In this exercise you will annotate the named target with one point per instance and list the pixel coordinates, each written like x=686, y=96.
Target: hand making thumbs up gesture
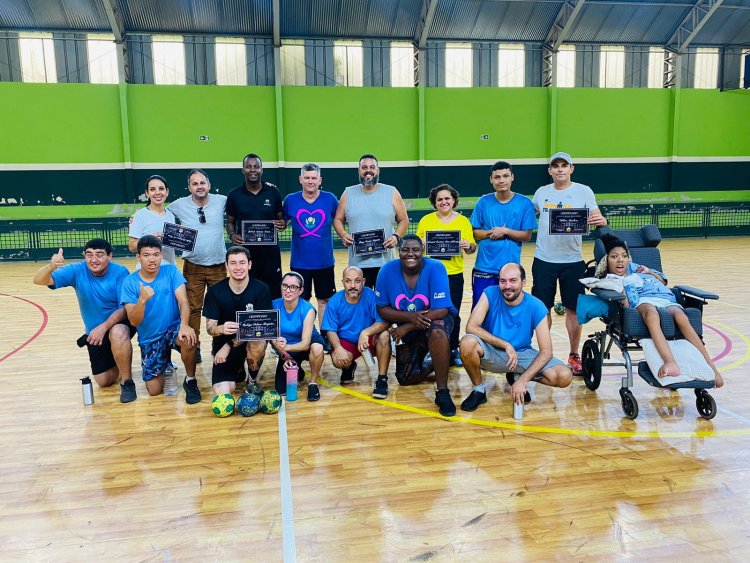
x=57, y=260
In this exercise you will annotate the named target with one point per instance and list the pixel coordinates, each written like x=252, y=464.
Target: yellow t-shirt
x=431, y=222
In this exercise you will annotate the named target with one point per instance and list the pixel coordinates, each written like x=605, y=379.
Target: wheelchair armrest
x=696, y=293
x=608, y=295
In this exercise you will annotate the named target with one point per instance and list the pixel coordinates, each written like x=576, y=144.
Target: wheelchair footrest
x=653, y=381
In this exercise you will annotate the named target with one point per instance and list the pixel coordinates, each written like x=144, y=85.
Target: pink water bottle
x=291, y=383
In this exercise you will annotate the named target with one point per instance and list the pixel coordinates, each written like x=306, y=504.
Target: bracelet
x=398, y=238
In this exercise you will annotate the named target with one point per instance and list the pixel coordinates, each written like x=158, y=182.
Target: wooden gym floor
x=353, y=479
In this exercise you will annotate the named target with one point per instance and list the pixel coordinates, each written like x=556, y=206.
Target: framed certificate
x=443, y=243
x=179, y=237
x=570, y=221
x=369, y=242
x=259, y=232
x=257, y=325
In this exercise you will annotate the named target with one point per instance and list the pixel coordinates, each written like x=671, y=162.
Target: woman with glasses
x=299, y=340
x=150, y=220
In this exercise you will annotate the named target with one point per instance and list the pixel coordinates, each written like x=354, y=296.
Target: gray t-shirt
x=366, y=211
x=560, y=249
x=146, y=222
x=210, y=248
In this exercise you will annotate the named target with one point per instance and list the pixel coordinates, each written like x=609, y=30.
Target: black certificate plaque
x=568, y=221
x=259, y=232
x=258, y=325
x=369, y=242
x=443, y=243
x=179, y=237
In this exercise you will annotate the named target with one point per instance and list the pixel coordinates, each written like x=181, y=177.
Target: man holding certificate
x=566, y=211
x=371, y=208
x=238, y=292
x=254, y=215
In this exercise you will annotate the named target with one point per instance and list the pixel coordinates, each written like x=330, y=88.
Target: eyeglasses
x=201, y=215
x=286, y=287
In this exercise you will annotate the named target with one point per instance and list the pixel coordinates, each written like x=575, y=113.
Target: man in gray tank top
x=368, y=206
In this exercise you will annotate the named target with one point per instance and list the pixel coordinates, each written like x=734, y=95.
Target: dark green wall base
x=124, y=186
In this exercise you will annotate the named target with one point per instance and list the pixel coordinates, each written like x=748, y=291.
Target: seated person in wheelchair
x=646, y=290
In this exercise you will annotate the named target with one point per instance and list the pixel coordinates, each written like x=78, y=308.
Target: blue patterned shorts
x=155, y=354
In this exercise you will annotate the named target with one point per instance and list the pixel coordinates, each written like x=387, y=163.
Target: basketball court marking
x=285, y=478
x=34, y=336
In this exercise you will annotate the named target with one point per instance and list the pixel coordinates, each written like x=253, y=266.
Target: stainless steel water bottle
x=88, y=391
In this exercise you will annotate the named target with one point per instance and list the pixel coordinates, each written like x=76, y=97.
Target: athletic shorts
x=371, y=276
x=411, y=352
x=101, y=357
x=496, y=360
x=546, y=276
x=479, y=282
x=352, y=348
x=323, y=279
x=231, y=367
x=155, y=354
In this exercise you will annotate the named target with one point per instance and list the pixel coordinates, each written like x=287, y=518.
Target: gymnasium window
x=231, y=61
x=655, y=67
x=102, y=53
x=566, y=66
x=612, y=66
x=293, y=63
x=458, y=65
x=168, y=53
x=706, y=68
x=348, y=63
x=402, y=64
x=743, y=62
x=37, y=54
x=511, y=62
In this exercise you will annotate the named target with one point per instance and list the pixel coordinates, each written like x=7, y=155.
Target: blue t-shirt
x=518, y=214
x=651, y=287
x=161, y=313
x=430, y=292
x=516, y=324
x=291, y=324
x=312, y=240
x=98, y=297
x=349, y=320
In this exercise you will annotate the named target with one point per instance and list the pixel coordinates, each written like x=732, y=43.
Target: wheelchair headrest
x=647, y=236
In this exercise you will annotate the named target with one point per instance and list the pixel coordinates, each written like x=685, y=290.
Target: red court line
x=39, y=331
x=727, y=343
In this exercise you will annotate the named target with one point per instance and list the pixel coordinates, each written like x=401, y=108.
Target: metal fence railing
x=39, y=239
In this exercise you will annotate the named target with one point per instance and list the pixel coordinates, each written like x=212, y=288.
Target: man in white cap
x=559, y=256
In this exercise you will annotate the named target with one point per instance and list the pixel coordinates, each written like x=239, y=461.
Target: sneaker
x=127, y=391
x=574, y=361
x=456, y=358
x=445, y=403
x=347, y=374
x=313, y=394
x=198, y=358
x=381, y=389
x=472, y=402
x=192, y=393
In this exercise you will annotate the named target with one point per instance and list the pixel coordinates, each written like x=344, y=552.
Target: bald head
x=511, y=269
x=352, y=271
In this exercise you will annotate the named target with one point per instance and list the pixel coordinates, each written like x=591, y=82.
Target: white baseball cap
x=561, y=156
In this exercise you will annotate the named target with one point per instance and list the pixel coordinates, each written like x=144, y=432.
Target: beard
x=369, y=183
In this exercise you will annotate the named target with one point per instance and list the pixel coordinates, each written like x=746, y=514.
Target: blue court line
x=735, y=415
x=287, y=509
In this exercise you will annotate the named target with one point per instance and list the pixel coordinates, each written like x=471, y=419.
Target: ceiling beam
x=696, y=18
x=427, y=14
x=563, y=23
x=117, y=23
x=276, y=15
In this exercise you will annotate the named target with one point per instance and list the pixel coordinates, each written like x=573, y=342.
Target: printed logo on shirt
x=310, y=223
x=267, y=202
x=249, y=307
x=411, y=304
x=438, y=295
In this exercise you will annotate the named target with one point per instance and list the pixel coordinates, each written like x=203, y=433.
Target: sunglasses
x=201, y=215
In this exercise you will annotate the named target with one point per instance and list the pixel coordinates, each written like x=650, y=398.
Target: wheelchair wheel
x=705, y=404
x=592, y=364
x=629, y=404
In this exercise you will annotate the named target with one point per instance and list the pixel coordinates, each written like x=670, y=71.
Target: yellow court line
x=540, y=429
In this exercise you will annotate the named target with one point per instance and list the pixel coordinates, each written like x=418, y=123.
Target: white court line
x=735, y=415
x=287, y=509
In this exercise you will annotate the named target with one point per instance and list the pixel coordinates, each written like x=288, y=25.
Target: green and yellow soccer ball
x=270, y=402
x=223, y=405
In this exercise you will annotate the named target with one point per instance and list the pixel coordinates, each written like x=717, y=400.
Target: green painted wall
x=713, y=123
x=59, y=123
x=167, y=121
x=516, y=120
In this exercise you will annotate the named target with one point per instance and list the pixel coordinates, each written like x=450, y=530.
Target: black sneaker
x=198, y=358
x=381, y=388
x=127, y=391
x=192, y=393
x=445, y=403
x=347, y=374
x=313, y=394
x=472, y=402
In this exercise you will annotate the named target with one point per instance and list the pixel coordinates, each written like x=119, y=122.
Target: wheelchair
x=625, y=326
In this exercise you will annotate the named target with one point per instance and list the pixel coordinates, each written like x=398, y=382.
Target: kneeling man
x=354, y=325
x=498, y=339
